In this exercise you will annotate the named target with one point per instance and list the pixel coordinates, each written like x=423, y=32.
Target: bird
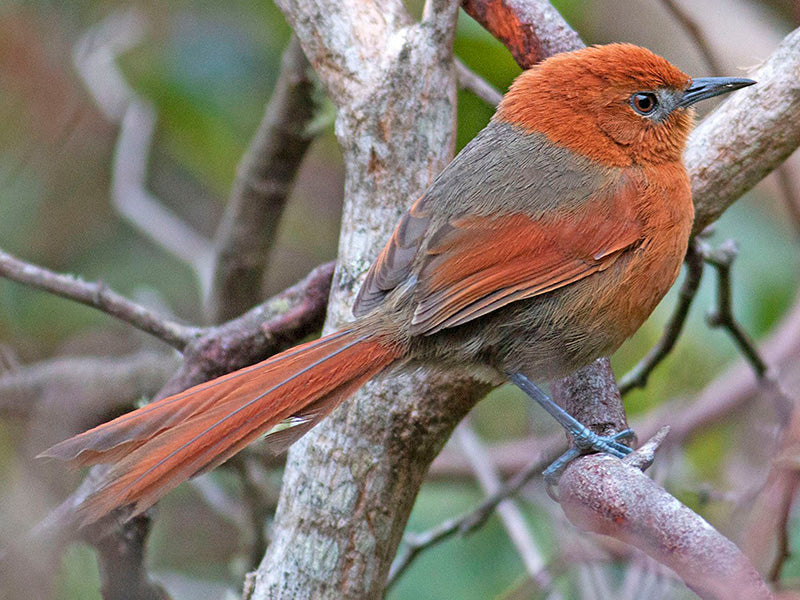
x=544, y=244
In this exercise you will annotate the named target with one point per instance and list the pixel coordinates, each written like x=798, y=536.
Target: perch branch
x=601, y=494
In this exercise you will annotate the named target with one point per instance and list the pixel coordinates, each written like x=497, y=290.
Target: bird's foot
x=587, y=441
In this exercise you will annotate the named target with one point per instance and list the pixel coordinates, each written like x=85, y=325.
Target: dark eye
x=644, y=103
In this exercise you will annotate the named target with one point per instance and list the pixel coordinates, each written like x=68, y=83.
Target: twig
x=469, y=80
x=95, y=57
x=99, y=296
x=637, y=377
x=696, y=33
x=508, y=511
x=722, y=259
x=268, y=328
x=414, y=543
x=264, y=179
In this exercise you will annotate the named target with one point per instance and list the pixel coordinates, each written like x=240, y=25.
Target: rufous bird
x=546, y=243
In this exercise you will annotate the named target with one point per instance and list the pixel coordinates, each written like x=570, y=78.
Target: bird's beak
x=708, y=87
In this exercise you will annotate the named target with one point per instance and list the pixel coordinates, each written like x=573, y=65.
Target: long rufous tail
x=158, y=446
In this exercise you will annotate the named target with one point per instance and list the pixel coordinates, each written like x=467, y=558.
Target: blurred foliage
x=209, y=68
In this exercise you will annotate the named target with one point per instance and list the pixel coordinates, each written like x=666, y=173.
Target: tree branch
x=97, y=295
x=638, y=376
x=604, y=495
x=722, y=259
x=416, y=543
x=476, y=84
x=263, y=182
x=755, y=130
x=350, y=483
x=95, y=57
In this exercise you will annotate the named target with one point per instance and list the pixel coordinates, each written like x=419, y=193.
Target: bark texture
x=350, y=484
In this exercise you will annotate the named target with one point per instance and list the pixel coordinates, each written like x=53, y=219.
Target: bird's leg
x=585, y=441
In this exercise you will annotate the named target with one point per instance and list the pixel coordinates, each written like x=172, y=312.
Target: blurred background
x=207, y=69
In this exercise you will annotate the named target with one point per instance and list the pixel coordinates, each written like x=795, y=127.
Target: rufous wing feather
x=477, y=264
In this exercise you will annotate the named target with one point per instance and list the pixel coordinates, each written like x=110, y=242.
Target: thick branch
x=753, y=132
x=263, y=182
x=604, y=495
x=531, y=31
x=349, y=485
x=98, y=296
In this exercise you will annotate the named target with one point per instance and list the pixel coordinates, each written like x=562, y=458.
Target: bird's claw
x=586, y=441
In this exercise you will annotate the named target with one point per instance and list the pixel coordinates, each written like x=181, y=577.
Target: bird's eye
x=644, y=103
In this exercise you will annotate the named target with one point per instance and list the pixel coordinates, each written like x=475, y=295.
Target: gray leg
x=585, y=440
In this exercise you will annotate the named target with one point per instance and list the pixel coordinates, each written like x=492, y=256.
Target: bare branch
x=264, y=179
x=722, y=259
x=347, y=42
x=95, y=57
x=755, y=129
x=469, y=80
x=638, y=376
x=270, y=327
x=509, y=513
x=604, y=495
x=696, y=33
x=121, y=564
x=276, y=324
x=393, y=82
x=531, y=31
x=415, y=543
x=97, y=295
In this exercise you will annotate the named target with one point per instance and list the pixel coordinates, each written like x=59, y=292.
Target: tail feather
x=109, y=442
x=160, y=445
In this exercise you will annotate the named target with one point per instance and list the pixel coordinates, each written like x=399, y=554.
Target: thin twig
x=509, y=513
x=470, y=80
x=97, y=295
x=637, y=377
x=414, y=543
x=722, y=259
x=95, y=58
x=696, y=33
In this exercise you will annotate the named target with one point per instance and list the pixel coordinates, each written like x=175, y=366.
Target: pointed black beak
x=708, y=87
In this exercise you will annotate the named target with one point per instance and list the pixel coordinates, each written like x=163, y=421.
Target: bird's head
x=619, y=104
